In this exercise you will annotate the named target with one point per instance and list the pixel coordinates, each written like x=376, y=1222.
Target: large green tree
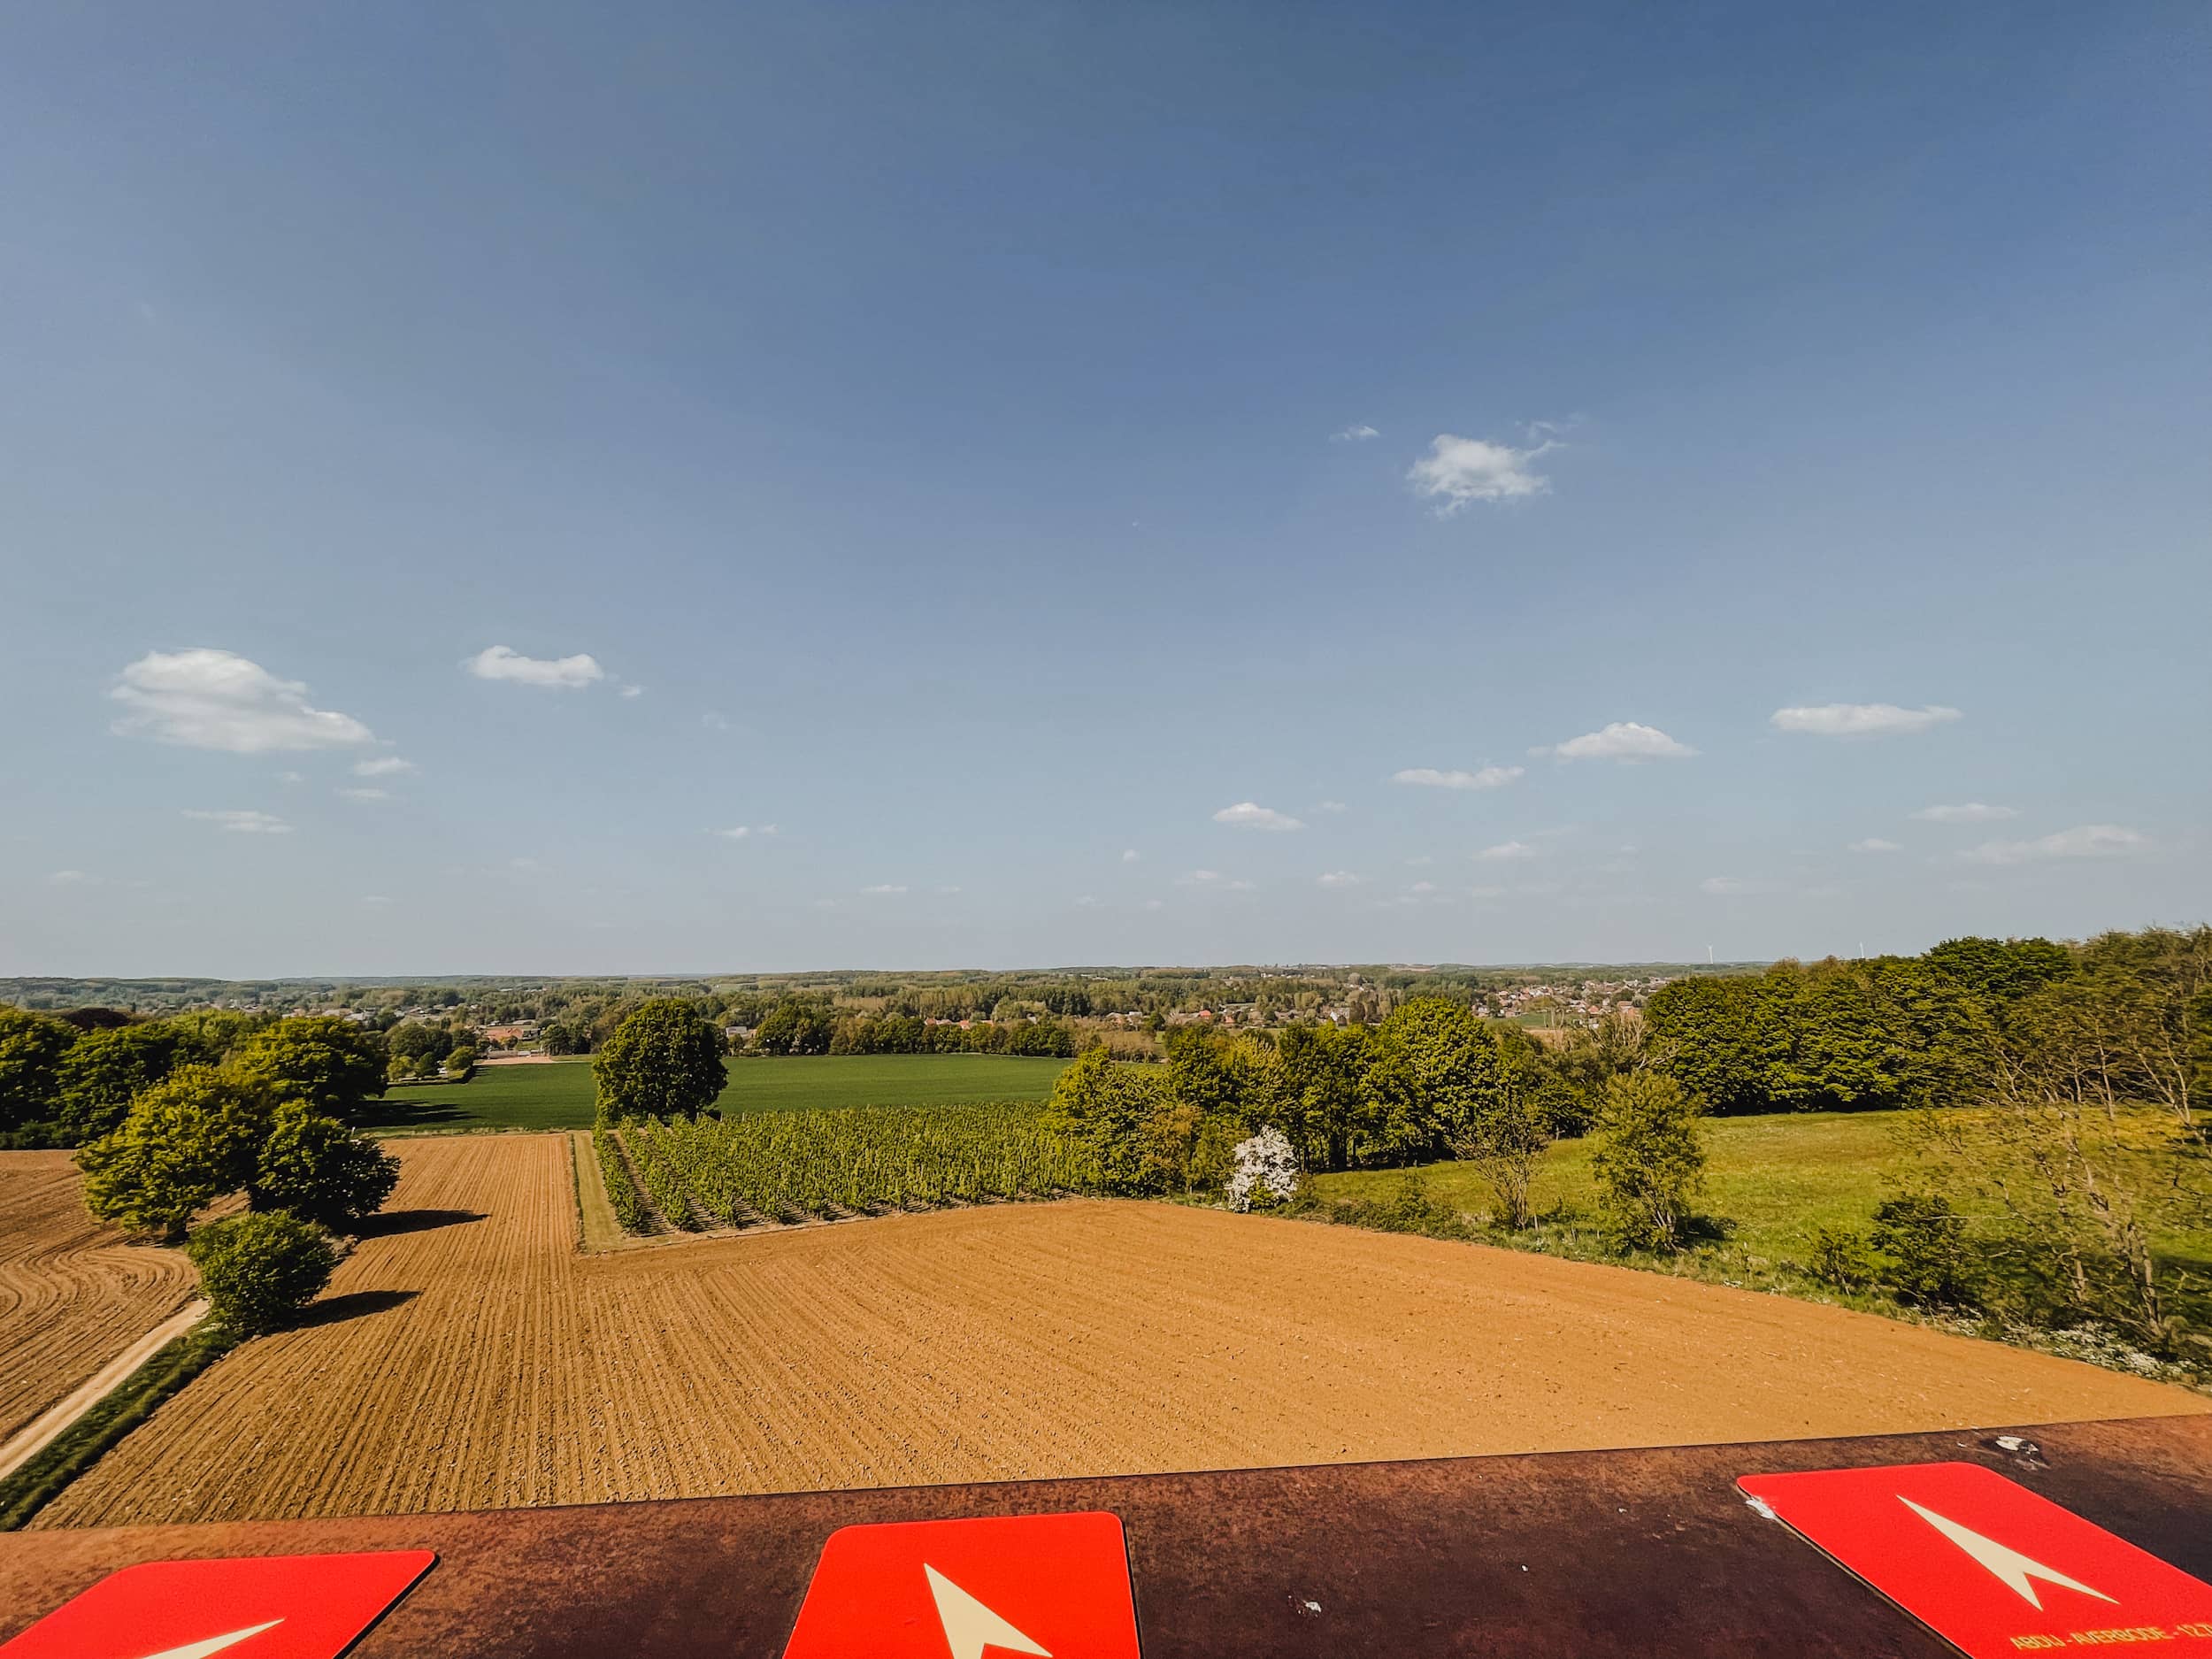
x=106, y=1071
x=1434, y=1066
x=31, y=1050
x=319, y=1169
x=331, y=1064
x=1123, y=1117
x=664, y=1061
x=185, y=1141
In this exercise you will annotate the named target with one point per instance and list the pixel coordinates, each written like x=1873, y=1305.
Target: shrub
x=460, y=1064
x=1649, y=1162
x=404, y=1068
x=1842, y=1257
x=259, y=1271
x=1927, y=1257
x=1265, y=1171
x=320, y=1171
x=664, y=1061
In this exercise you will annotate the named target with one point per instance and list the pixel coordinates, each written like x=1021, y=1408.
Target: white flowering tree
x=1265, y=1167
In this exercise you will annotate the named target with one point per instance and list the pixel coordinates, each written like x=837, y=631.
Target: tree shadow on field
x=396, y=1221
x=408, y=1113
x=353, y=1305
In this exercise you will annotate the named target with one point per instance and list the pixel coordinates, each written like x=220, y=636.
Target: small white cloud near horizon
x=382, y=767
x=244, y=821
x=1623, y=740
x=72, y=879
x=1130, y=854
x=1358, y=433
x=1086, y=901
x=1251, y=815
x=884, y=886
x=559, y=673
x=1966, y=812
x=1487, y=778
x=1874, y=844
x=1458, y=471
x=2085, y=841
x=631, y=691
x=1328, y=806
x=206, y=698
x=1339, y=878
x=365, y=794
x=1504, y=851
x=743, y=831
x=1727, y=887
x=1422, y=887
x=1861, y=719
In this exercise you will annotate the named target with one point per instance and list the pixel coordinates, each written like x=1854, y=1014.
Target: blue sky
x=993, y=444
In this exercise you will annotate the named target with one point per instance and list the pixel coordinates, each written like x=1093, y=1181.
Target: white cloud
x=631, y=691
x=1239, y=886
x=1199, y=878
x=949, y=889
x=884, y=887
x=1130, y=854
x=1504, y=851
x=1488, y=778
x=1966, y=812
x=743, y=831
x=1155, y=904
x=382, y=767
x=1421, y=862
x=2087, y=840
x=715, y=722
x=246, y=822
x=498, y=662
x=1251, y=815
x=1724, y=886
x=203, y=698
x=1087, y=902
x=72, y=879
x=1861, y=719
x=365, y=794
x=1422, y=887
x=1875, y=844
x=1354, y=435
x=1486, y=893
x=1339, y=878
x=1328, y=806
x=1463, y=470
x=1623, y=740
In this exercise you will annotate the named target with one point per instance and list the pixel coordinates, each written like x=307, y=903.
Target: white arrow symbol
x=2012, y=1569
x=970, y=1626
x=214, y=1644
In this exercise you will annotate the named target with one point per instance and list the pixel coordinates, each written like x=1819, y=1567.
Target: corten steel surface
x=1582, y=1554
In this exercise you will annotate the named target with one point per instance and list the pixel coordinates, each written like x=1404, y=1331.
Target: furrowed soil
x=470, y=1357
x=73, y=1295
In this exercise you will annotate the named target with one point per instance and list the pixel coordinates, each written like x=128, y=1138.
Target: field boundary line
x=597, y=1229
x=43, y=1430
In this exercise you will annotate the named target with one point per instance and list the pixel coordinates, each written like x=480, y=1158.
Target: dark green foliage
x=1649, y=1162
x=1409, y=1205
x=460, y=1064
x=1432, y=1065
x=1841, y=1256
x=1325, y=1110
x=259, y=1271
x=796, y=1028
x=320, y=1171
x=1109, y=1109
x=621, y=1190
x=1925, y=1255
x=2000, y=970
x=106, y=1069
x=185, y=1142
x=331, y=1064
x=664, y=1061
x=31, y=1050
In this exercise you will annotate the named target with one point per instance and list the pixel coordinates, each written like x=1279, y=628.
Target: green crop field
x=558, y=1094
x=1773, y=1178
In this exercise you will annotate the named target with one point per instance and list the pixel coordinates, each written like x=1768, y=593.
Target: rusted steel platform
x=1645, y=1552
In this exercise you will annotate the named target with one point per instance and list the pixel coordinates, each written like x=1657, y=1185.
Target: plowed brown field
x=1071, y=1339
x=73, y=1293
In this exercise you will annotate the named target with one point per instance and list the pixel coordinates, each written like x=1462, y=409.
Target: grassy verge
x=39, y=1482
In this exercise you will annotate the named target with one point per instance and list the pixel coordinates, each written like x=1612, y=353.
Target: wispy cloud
x=1354, y=435
x=1486, y=777
x=1966, y=812
x=560, y=673
x=375, y=901
x=884, y=886
x=1130, y=854
x=242, y=821
x=1623, y=740
x=1251, y=815
x=382, y=767
x=744, y=832
x=1861, y=719
x=1875, y=844
x=204, y=698
x=1732, y=886
x=1505, y=852
x=1086, y=901
x=2086, y=841
x=1212, y=878
x=72, y=879
x=1459, y=471
x=1422, y=887
x=365, y=794
x=1328, y=806
x=1339, y=878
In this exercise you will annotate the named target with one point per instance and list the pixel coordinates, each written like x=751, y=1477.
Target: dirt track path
x=482, y=1361
x=73, y=1293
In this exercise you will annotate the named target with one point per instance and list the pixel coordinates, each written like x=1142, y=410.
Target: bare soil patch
x=73, y=1294
x=1002, y=1342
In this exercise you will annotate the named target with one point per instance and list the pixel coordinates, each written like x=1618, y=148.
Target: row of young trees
x=794, y=1026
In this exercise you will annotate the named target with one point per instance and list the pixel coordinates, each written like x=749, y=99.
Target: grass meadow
x=558, y=1094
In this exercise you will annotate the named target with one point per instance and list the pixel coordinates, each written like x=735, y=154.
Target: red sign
x=1987, y=1564
x=262, y=1607
x=1052, y=1586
